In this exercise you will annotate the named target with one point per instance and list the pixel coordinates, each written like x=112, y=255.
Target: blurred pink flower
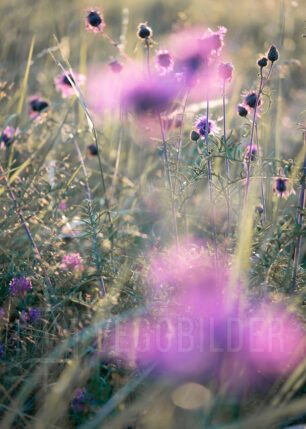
x=63, y=83
x=276, y=340
x=195, y=327
x=72, y=262
x=195, y=51
x=164, y=62
x=7, y=137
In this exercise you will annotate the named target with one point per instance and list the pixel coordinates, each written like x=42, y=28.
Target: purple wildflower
x=20, y=286
x=34, y=314
x=201, y=124
x=2, y=313
x=31, y=316
x=250, y=154
x=80, y=400
x=72, y=262
x=7, y=137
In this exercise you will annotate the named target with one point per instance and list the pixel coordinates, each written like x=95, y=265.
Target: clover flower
x=72, y=262
x=81, y=399
x=20, y=286
x=7, y=137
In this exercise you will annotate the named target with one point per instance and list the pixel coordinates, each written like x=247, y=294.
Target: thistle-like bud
x=194, y=136
x=273, y=54
x=144, y=31
x=242, y=111
x=262, y=62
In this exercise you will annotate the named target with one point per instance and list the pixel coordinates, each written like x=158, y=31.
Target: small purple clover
x=7, y=137
x=81, y=399
x=72, y=262
x=31, y=316
x=20, y=286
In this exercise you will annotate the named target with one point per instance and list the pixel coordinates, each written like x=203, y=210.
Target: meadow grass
x=138, y=205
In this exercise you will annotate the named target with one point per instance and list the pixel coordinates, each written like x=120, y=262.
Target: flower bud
x=273, y=54
x=242, y=111
x=144, y=31
x=194, y=136
x=262, y=62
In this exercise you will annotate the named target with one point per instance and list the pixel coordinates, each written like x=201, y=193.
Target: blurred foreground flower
x=198, y=324
x=164, y=62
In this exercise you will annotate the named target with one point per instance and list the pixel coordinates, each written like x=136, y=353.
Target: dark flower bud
x=144, y=31
x=262, y=62
x=242, y=111
x=273, y=54
x=194, y=136
x=116, y=66
x=251, y=99
x=38, y=105
x=259, y=209
x=281, y=185
x=94, y=18
x=92, y=150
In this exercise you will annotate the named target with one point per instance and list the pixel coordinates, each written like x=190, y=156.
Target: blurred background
x=252, y=27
